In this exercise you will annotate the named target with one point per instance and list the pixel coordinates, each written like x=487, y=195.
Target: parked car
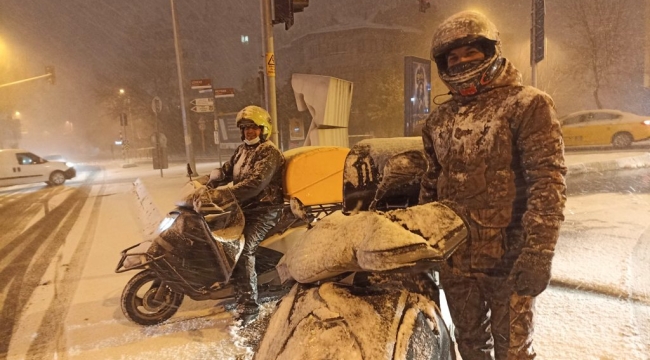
x=604, y=127
x=19, y=166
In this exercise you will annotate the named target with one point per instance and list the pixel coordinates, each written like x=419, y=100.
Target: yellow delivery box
x=314, y=174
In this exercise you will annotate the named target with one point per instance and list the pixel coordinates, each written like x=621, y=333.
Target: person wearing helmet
x=255, y=170
x=495, y=150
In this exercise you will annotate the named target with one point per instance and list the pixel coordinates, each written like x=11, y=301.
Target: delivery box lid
x=314, y=174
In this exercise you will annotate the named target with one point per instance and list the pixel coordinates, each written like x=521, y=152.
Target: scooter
x=194, y=254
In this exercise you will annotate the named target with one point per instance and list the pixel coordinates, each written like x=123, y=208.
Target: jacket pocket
x=488, y=237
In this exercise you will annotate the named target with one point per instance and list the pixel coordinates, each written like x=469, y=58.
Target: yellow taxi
x=604, y=127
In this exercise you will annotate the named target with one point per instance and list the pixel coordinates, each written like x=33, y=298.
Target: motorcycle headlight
x=166, y=223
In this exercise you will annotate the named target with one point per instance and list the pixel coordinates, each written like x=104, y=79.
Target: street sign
x=201, y=84
x=224, y=93
x=203, y=108
x=270, y=64
x=202, y=124
x=229, y=133
x=202, y=101
x=156, y=104
x=537, y=41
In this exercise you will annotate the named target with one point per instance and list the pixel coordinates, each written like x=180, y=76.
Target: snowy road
x=60, y=295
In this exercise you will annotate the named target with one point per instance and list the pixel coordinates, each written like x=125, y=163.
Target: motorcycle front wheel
x=139, y=302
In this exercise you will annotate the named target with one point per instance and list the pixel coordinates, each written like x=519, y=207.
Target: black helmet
x=463, y=29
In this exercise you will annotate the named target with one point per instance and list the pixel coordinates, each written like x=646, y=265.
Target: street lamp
x=125, y=115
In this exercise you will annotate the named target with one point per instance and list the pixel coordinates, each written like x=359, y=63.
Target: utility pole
x=269, y=63
x=187, y=131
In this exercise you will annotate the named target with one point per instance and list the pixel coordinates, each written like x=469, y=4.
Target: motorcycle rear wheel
x=139, y=304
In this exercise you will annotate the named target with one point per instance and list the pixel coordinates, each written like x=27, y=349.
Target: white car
x=19, y=166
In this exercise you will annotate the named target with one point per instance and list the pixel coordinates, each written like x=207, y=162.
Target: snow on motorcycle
x=364, y=287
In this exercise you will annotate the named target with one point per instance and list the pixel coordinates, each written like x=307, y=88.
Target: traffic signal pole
x=49, y=75
x=189, y=150
x=269, y=84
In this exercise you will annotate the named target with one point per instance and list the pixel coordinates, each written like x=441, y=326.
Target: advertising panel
x=417, y=94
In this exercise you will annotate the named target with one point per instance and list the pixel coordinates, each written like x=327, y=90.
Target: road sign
x=202, y=124
x=229, y=133
x=537, y=41
x=201, y=84
x=203, y=108
x=224, y=93
x=156, y=104
x=202, y=101
x=270, y=64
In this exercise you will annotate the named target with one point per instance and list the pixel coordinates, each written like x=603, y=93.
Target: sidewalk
x=585, y=162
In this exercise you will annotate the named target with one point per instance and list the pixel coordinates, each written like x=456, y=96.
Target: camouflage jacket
x=500, y=156
x=256, y=173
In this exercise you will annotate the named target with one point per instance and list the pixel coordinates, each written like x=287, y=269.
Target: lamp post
x=124, y=118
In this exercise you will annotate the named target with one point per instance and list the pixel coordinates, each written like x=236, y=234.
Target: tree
x=599, y=34
x=378, y=107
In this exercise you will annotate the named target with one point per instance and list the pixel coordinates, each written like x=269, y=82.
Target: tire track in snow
x=22, y=276
x=50, y=336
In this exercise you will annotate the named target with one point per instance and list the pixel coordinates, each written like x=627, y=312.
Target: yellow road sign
x=270, y=64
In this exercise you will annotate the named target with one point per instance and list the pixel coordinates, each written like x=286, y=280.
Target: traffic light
x=283, y=11
x=50, y=70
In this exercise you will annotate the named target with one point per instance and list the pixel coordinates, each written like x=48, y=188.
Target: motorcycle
x=365, y=287
x=194, y=254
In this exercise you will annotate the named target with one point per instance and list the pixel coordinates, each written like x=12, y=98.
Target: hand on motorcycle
x=209, y=200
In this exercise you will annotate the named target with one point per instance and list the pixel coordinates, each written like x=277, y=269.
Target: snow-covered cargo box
x=314, y=174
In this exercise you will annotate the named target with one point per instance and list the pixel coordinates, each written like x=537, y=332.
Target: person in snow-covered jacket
x=255, y=170
x=495, y=150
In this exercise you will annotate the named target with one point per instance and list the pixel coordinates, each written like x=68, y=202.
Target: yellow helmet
x=257, y=115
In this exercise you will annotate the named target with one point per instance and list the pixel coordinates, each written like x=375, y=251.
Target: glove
x=217, y=175
x=531, y=273
x=200, y=197
x=186, y=196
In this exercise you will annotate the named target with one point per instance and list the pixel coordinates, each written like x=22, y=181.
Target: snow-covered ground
x=598, y=252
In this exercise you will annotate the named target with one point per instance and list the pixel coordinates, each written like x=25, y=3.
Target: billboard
x=417, y=94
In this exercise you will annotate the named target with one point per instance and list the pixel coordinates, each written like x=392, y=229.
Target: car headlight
x=646, y=122
x=69, y=164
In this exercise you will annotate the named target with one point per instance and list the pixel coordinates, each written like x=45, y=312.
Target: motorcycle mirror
x=189, y=171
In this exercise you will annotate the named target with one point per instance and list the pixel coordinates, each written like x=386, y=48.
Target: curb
x=600, y=289
x=635, y=162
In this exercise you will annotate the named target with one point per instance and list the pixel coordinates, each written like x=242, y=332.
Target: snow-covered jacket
x=256, y=173
x=500, y=156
